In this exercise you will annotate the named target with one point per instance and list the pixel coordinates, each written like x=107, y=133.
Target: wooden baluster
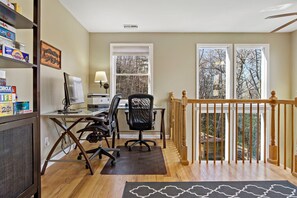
x=243, y=132
x=229, y=131
x=265, y=126
x=278, y=133
x=184, y=152
x=285, y=136
x=207, y=133
x=236, y=136
x=272, y=147
x=215, y=134
x=193, y=133
x=200, y=154
x=222, y=136
x=251, y=132
x=258, y=131
x=292, y=138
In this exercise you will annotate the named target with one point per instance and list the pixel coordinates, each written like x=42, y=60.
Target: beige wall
x=174, y=58
x=60, y=29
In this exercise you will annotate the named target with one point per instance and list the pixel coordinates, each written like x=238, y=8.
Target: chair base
x=101, y=151
x=140, y=142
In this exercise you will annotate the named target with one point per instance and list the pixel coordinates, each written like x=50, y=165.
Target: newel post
x=184, y=149
x=272, y=147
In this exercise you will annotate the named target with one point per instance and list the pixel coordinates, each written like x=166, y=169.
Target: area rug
x=139, y=161
x=245, y=189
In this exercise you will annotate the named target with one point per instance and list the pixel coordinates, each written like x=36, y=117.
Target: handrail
x=245, y=120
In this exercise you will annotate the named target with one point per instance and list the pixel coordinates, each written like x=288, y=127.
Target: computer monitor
x=73, y=91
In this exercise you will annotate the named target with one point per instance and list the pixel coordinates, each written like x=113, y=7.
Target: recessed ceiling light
x=130, y=26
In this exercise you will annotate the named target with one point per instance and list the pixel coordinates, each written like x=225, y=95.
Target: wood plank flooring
x=73, y=180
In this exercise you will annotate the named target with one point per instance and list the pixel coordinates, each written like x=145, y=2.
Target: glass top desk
x=77, y=117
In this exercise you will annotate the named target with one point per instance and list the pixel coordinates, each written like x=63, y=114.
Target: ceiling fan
x=282, y=15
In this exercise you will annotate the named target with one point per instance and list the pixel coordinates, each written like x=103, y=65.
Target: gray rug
x=246, y=189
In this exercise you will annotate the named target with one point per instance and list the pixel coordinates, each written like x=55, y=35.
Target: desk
x=55, y=116
x=162, y=129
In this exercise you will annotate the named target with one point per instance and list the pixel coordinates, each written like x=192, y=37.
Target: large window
x=131, y=68
x=218, y=76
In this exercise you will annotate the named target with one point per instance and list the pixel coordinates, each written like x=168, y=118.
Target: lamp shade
x=100, y=76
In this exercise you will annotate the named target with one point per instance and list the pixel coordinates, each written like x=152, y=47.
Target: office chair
x=101, y=128
x=140, y=117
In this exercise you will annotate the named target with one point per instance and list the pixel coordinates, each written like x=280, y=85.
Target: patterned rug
x=245, y=189
x=139, y=161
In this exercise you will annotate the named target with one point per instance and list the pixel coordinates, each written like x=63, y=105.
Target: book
x=5, y=97
x=14, y=53
x=20, y=107
x=6, y=108
x=5, y=89
x=7, y=27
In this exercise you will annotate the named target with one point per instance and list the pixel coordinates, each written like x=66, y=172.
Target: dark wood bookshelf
x=9, y=63
x=20, y=134
x=14, y=18
x=10, y=118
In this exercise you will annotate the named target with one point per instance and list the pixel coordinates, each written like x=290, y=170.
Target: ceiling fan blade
x=281, y=15
x=283, y=26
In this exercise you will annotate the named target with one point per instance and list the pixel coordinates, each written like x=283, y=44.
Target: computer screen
x=73, y=90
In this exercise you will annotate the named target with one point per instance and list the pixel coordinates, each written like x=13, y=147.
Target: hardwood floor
x=73, y=180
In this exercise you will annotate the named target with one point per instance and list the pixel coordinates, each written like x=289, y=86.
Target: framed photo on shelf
x=50, y=56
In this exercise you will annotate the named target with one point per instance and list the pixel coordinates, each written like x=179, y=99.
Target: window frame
x=231, y=86
x=113, y=67
x=229, y=63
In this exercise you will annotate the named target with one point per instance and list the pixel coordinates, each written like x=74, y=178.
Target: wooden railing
x=234, y=130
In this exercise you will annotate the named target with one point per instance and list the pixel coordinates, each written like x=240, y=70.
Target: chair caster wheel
x=79, y=157
x=149, y=149
x=155, y=144
x=118, y=154
x=100, y=156
x=126, y=144
x=87, y=166
x=130, y=149
x=113, y=162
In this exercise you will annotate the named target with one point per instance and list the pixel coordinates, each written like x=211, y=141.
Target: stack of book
x=9, y=47
x=9, y=104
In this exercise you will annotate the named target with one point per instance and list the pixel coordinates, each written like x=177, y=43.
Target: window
x=131, y=69
x=218, y=77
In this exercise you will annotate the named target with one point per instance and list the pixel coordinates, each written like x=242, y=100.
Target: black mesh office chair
x=140, y=117
x=101, y=128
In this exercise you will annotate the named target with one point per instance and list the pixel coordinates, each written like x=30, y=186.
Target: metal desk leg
x=67, y=131
x=162, y=134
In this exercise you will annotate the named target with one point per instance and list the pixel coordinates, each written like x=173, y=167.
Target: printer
x=96, y=100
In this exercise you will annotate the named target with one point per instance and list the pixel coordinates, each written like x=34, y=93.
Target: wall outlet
x=46, y=141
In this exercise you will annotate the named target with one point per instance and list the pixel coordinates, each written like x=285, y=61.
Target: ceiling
x=182, y=15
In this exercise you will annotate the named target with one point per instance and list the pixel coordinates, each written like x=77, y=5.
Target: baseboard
x=60, y=154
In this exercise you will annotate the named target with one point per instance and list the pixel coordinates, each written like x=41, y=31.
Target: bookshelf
x=20, y=134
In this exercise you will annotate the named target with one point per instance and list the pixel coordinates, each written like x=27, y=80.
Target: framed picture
x=50, y=56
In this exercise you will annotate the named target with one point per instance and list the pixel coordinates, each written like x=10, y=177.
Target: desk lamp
x=100, y=77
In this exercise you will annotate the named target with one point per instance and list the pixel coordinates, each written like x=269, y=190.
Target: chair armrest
x=96, y=119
